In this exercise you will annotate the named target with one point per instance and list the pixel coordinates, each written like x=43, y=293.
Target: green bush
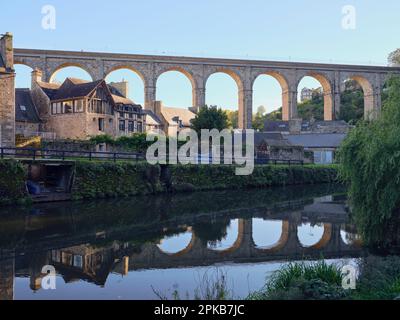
x=12, y=182
x=370, y=162
x=213, y=177
x=301, y=281
x=109, y=179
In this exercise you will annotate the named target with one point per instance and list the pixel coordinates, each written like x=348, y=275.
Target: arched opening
x=222, y=90
x=176, y=243
x=270, y=102
x=232, y=233
x=309, y=235
x=68, y=71
x=128, y=82
x=315, y=99
x=23, y=76
x=357, y=100
x=267, y=233
x=176, y=88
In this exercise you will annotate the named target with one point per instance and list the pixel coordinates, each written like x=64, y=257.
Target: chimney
x=7, y=51
x=295, y=126
x=157, y=107
x=36, y=76
x=121, y=87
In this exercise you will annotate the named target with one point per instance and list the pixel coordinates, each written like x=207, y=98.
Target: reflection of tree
x=211, y=232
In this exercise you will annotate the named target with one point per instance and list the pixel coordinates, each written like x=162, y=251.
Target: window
x=130, y=126
x=53, y=108
x=121, y=114
x=78, y=106
x=23, y=108
x=59, y=107
x=78, y=262
x=101, y=124
x=131, y=116
x=140, y=127
x=121, y=125
x=68, y=106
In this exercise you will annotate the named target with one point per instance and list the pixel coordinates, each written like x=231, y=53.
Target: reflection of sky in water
x=229, y=240
x=266, y=233
x=242, y=278
x=175, y=243
x=309, y=235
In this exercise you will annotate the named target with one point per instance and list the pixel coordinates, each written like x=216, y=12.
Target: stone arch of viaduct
x=244, y=72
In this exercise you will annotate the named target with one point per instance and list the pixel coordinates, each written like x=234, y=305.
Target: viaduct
x=149, y=67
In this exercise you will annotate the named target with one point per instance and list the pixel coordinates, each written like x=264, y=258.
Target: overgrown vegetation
x=12, y=182
x=302, y=281
x=370, y=162
x=378, y=279
x=120, y=179
x=137, y=142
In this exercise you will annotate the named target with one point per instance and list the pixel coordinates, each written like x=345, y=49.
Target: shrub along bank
x=12, y=182
x=123, y=179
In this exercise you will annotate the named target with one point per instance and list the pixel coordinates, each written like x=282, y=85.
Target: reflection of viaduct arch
x=54, y=71
x=326, y=237
x=187, y=74
x=184, y=251
x=282, y=240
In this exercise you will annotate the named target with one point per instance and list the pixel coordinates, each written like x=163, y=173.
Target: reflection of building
x=7, y=96
x=7, y=274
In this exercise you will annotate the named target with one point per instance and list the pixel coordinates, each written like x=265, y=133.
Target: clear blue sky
x=307, y=30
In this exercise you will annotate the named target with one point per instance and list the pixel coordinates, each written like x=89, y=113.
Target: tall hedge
x=109, y=179
x=12, y=182
x=207, y=177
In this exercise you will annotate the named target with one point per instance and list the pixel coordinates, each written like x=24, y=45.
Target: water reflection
x=309, y=234
x=121, y=248
x=266, y=233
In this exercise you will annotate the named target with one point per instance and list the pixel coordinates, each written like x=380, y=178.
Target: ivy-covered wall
x=12, y=182
x=109, y=179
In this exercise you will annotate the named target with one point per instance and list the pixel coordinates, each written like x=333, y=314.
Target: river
x=152, y=246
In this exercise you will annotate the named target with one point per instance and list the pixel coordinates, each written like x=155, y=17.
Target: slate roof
x=50, y=89
x=272, y=139
x=25, y=109
x=283, y=126
x=75, y=88
x=317, y=140
x=152, y=118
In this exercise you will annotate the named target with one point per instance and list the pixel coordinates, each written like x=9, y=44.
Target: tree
x=210, y=118
x=233, y=118
x=370, y=163
x=261, y=110
x=394, y=58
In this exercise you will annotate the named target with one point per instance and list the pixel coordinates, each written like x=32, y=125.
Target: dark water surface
x=129, y=248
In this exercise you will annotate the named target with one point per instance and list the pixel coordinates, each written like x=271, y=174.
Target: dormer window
x=23, y=108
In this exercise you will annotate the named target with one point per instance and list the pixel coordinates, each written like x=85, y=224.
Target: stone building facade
x=7, y=92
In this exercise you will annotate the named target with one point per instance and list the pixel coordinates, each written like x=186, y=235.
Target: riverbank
x=97, y=180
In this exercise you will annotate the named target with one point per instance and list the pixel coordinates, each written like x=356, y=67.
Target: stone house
x=27, y=120
x=7, y=92
x=173, y=120
x=78, y=109
x=274, y=146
